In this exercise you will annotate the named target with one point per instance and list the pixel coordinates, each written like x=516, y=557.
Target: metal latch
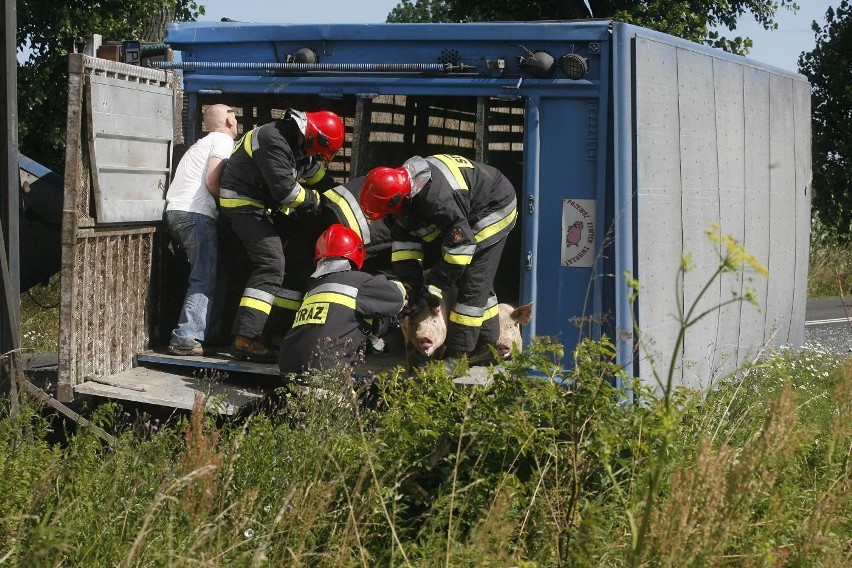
x=529, y=260
x=531, y=203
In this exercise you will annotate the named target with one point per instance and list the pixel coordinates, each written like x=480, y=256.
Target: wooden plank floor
x=167, y=388
x=169, y=380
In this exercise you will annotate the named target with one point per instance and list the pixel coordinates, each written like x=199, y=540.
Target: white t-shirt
x=188, y=191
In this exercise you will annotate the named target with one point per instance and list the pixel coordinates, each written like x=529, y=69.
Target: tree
x=48, y=30
x=694, y=20
x=829, y=69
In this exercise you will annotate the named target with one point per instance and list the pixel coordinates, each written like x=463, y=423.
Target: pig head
x=424, y=331
x=511, y=322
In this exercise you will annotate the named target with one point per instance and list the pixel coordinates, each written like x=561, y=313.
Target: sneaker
x=186, y=351
x=244, y=348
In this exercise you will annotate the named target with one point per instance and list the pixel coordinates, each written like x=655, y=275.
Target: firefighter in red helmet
x=274, y=169
x=341, y=308
x=469, y=207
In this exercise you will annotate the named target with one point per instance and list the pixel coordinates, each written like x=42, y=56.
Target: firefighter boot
x=253, y=350
x=482, y=354
x=454, y=360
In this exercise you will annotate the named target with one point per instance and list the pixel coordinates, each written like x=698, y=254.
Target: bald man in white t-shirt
x=191, y=218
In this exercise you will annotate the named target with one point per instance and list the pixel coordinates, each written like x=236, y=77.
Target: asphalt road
x=829, y=323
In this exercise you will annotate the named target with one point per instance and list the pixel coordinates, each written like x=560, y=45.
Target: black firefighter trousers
x=264, y=305
x=473, y=318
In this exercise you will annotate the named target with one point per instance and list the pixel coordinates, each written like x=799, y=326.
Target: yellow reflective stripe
x=254, y=304
x=491, y=312
x=495, y=228
x=462, y=319
x=239, y=142
x=287, y=303
x=316, y=177
x=435, y=291
x=459, y=259
x=401, y=288
x=330, y=297
x=344, y=206
x=454, y=163
x=432, y=236
x=300, y=197
x=397, y=256
x=239, y=202
x=247, y=142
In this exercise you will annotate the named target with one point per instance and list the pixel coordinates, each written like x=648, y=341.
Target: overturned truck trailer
x=624, y=146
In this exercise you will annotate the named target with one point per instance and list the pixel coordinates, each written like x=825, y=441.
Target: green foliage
x=542, y=466
x=694, y=20
x=545, y=466
x=47, y=32
x=829, y=69
x=40, y=317
x=829, y=269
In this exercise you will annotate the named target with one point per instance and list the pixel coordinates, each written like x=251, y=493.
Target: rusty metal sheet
x=130, y=139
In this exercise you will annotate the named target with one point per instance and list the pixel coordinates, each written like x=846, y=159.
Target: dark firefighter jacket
x=341, y=206
x=266, y=165
x=464, y=205
x=337, y=314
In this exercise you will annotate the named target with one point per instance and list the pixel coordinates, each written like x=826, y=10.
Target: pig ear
x=522, y=315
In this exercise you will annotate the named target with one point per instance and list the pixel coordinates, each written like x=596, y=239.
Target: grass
x=526, y=472
x=830, y=271
x=521, y=473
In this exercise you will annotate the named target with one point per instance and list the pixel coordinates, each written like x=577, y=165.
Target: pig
x=425, y=331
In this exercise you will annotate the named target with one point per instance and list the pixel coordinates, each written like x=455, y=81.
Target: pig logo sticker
x=578, y=233
x=575, y=234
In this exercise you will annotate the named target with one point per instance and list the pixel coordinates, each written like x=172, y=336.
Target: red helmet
x=324, y=133
x=385, y=191
x=340, y=242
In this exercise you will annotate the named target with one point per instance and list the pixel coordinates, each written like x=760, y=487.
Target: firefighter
x=469, y=208
x=339, y=205
x=342, y=307
x=274, y=170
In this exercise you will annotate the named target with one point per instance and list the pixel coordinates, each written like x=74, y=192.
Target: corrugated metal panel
x=716, y=143
x=130, y=147
x=106, y=303
x=753, y=322
x=700, y=207
x=782, y=207
x=802, y=122
x=658, y=200
x=730, y=132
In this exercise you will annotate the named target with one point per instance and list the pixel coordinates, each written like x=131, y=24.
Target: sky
x=780, y=48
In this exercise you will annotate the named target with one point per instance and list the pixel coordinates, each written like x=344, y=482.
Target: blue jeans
x=195, y=235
